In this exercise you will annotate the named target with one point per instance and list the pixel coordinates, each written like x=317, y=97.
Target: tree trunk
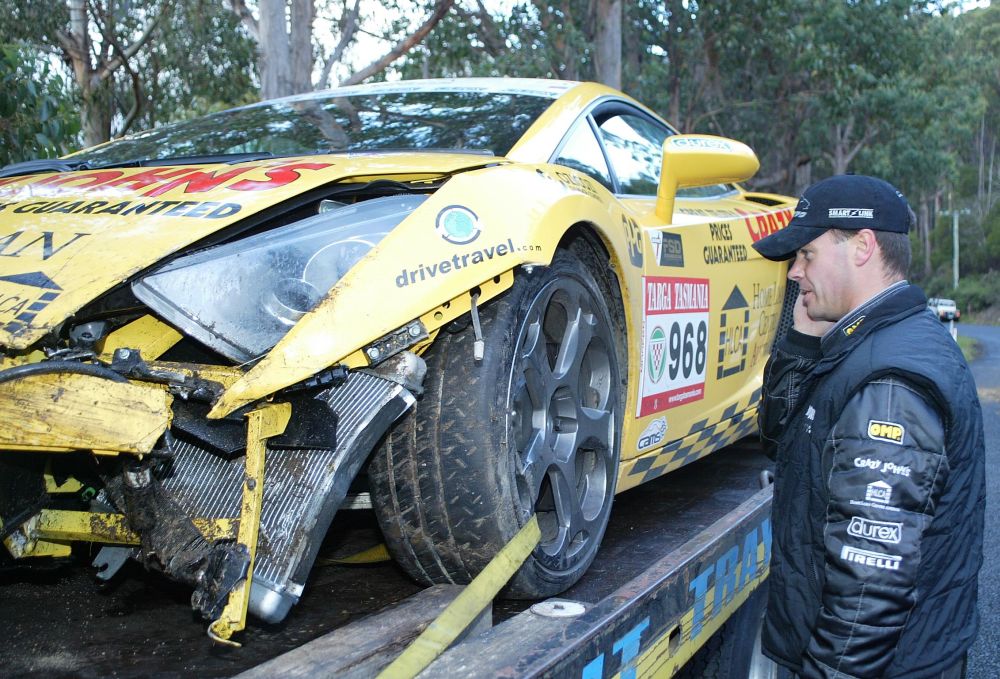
x=303, y=13
x=273, y=50
x=608, y=48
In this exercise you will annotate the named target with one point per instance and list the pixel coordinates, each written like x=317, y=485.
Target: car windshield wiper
x=43, y=165
x=71, y=165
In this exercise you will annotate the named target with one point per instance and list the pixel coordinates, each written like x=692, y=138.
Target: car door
x=697, y=318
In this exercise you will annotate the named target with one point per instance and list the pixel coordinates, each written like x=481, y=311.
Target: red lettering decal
x=143, y=179
x=82, y=181
x=278, y=176
x=198, y=182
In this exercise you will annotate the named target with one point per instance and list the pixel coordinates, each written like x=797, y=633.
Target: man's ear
x=864, y=246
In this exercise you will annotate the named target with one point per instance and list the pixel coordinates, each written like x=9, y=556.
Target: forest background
x=909, y=91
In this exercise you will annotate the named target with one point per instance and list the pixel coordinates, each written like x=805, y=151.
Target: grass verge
x=969, y=347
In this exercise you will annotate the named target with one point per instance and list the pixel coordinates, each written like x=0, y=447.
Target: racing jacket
x=879, y=495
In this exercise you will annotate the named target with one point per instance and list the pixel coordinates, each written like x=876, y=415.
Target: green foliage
x=37, y=115
x=976, y=293
x=199, y=58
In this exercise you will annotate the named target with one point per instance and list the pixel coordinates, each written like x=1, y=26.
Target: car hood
x=67, y=238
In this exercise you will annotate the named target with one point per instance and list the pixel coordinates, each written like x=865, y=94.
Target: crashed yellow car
x=469, y=301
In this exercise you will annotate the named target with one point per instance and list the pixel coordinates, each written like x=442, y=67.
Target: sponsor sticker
x=458, y=225
x=884, y=467
x=886, y=431
x=668, y=248
x=888, y=562
x=763, y=225
x=734, y=326
x=880, y=531
x=633, y=239
x=700, y=143
x=653, y=434
x=849, y=330
x=851, y=213
x=879, y=492
x=675, y=342
x=431, y=270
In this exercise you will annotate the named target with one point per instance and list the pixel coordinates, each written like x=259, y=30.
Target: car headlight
x=242, y=297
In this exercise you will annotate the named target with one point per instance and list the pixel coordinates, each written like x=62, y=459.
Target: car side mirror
x=700, y=160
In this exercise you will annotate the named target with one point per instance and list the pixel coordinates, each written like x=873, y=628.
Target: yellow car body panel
x=67, y=238
x=427, y=269
x=72, y=411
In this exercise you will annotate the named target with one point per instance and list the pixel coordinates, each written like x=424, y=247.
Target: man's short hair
x=895, y=248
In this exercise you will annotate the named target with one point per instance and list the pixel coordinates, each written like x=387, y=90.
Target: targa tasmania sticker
x=675, y=342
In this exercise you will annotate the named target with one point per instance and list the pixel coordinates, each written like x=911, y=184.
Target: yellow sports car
x=471, y=301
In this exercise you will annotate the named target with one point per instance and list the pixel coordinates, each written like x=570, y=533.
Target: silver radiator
x=302, y=488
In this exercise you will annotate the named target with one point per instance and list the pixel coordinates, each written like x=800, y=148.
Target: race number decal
x=675, y=342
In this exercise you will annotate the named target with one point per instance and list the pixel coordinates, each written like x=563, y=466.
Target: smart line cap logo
x=458, y=225
x=878, y=491
x=851, y=213
x=886, y=431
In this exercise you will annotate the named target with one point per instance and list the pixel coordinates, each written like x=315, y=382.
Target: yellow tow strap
x=375, y=554
x=479, y=594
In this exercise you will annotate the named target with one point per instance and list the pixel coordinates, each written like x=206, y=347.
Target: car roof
x=538, y=87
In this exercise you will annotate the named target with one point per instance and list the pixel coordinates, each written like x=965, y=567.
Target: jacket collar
x=896, y=301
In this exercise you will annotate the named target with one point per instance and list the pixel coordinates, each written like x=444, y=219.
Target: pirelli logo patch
x=886, y=431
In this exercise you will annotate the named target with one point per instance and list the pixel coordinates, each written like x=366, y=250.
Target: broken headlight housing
x=242, y=297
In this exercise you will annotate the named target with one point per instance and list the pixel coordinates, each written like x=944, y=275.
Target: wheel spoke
x=537, y=374
x=569, y=517
x=594, y=425
x=564, y=485
x=579, y=331
x=534, y=462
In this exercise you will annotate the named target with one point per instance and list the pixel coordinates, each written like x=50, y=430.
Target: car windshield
x=483, y=122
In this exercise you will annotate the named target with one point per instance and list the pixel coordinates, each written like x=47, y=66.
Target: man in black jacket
x=873, y=418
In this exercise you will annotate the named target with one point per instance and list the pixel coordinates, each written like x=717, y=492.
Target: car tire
x=533, y=428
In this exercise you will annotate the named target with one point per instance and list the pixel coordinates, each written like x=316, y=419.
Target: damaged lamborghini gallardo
x=469, y=301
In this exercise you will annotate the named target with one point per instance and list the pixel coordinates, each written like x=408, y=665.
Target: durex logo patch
x=880, y=531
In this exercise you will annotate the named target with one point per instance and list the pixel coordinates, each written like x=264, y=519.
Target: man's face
x=822, y=270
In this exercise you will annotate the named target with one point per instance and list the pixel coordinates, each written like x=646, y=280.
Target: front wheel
x=534, y=428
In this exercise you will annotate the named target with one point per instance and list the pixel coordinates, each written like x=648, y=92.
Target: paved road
x=984, y=658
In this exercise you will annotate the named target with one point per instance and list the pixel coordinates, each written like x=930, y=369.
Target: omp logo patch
x=849, y=330
x=887, y=562
x=881, y=531
x=851, y=213
x=886, y=431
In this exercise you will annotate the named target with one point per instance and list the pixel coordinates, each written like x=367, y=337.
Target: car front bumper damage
x=242, y=527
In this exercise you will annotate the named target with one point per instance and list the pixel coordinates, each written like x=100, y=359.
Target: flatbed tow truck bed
x=674, y=548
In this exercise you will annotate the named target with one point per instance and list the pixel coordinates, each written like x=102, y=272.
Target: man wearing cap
x=873, y=418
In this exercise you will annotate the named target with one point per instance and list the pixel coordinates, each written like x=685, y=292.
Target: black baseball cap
x=847, y=201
